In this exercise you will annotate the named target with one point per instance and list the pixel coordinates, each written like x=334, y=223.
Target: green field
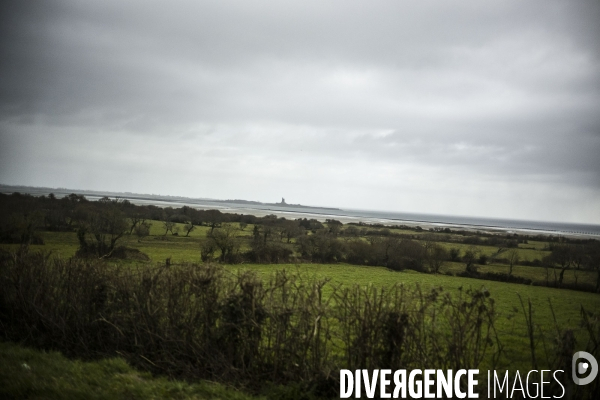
x=510, y=323
x=33, y=374
x=180, y=248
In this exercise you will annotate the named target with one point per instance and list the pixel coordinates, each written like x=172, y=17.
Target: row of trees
x=575, y=257
x=100, y=225
x=270, y=243
x=397, y=253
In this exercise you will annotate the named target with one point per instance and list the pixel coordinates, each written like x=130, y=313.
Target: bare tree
x=214, y=218
x=498, y=252
x=136, y=217
x=513, y=258
x=168, y=225
x=188, y=228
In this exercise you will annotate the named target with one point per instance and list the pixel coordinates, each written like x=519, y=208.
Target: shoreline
x=310, y=212
x=426, y=225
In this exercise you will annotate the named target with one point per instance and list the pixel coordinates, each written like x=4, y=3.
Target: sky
x=471, y=107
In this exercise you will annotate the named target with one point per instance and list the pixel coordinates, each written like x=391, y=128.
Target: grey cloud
x=483, y=93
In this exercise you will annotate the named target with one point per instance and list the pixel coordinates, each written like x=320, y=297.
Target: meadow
x=181, y=249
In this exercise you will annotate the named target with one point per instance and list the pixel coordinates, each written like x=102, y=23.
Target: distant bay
x=322, y=213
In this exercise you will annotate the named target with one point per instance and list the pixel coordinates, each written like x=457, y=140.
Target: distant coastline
x=282, y=204
x=283, y=209
x=34, y=190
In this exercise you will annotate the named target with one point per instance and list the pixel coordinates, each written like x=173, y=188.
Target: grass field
x=180, y=248
x=510, y=323
x=33, y=374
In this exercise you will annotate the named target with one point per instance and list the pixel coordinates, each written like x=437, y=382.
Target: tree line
x=100, y=226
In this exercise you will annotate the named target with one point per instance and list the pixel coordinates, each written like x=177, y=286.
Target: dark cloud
x=457, y=107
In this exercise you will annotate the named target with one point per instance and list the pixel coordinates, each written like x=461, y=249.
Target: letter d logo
x=582, y=367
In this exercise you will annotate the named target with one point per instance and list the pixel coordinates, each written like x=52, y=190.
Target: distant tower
x=282, y=200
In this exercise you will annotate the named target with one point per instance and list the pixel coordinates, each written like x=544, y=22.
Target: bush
x=494, y=276
x=482, y=260
x=270, y=252
x=195, y=321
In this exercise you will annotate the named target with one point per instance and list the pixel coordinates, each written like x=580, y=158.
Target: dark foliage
x=196, y=321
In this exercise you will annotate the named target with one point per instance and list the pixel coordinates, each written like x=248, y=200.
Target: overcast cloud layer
x=483, y=108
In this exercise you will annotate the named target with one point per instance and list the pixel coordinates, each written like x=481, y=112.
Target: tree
x=334, y=226
x=56, y=215
x=142, y=230
x=291, y=229
x=470, y=258
x=102, y=226
x=269, y=252
x=136, y=216
x=405, y=253
x=351, y=230
x=498, y=252
x=359, y=252
x=168, y=225
x=321, y=247
x=436, y=255
x=207, y=250
x=454, y=254
x=578, y=256
x=310, y=224
x=213, y=218
x=21, y=227
x=224, y=238
x=593, y=261
x=562, y=255
x=513, y=258
x=189, y=227
x=267, y=228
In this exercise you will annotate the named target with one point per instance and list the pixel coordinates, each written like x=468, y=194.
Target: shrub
x=195, y=321
x=201, y=322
